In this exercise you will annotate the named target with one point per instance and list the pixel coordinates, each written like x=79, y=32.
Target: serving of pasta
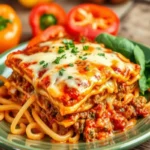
x=70, y=91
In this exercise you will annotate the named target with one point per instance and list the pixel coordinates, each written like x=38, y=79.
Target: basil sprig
x=137, y=53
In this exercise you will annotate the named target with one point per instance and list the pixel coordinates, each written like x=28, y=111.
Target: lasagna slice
x=83, y=86
x=68, y=73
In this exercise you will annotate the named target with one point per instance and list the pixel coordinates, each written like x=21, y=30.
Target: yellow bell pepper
x=31, y=3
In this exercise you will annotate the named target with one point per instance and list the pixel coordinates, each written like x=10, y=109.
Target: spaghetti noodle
x=65, y=89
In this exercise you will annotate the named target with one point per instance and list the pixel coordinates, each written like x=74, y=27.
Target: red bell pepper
x=90, y=20
x=55, y=31
x=44, y=15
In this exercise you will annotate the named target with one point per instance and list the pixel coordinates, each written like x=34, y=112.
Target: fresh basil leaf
x=124, y=46
x=131, y=51
x=146, y=52
x=106, y=39
x=143, y=84
x=147, y=65
x=147, y=75
x=139, y=58
x=118, y=44
x=148, y=82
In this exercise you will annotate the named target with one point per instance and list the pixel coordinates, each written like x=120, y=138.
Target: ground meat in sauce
x=139, y=102
x=17, y=95
x=128, y=111
x=96, y=123
x=21, y=82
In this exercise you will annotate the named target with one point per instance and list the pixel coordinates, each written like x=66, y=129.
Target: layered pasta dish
x=71, y=91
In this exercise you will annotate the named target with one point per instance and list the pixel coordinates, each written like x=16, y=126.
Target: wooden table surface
x=135, y=25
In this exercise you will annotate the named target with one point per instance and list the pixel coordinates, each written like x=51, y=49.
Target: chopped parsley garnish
x=71, y=65
x=65, y=41
x=70, y=77
x=61, y=49
x=61, y=71
x=87, y=68
x=68, y=44
x=82, y=40
x=43, y=64
x=57, y=60
x=101, y=54
x=85, y=47
x=83, y=58
x=99, y=48
x=86, y=54
x=74, y=50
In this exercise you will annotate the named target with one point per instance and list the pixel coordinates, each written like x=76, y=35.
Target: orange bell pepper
x=32, y=3
x=10, y=28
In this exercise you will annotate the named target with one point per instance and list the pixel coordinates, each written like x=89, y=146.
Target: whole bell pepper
x=32, y=3
x=44, y=15
x=90, y=20
x=10, y=28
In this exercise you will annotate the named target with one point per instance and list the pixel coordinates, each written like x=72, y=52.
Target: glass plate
x=125, y=140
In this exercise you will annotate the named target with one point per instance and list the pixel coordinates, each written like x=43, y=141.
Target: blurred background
x=134, y=16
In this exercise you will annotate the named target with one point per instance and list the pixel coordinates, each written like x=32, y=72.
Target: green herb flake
x=82, y=57
x=85, y=47
x=101, y=54
x=98, y=48
x=68, y=44
x=82, y=40
x=65, y=41
x=71, y=65
x=45, y=65
x=87, y=68
x=74, y=51
x=61, y=50
x=41, y=62
x=61, y=72
x=57, y=60
x=86, y=54
x=70, y=77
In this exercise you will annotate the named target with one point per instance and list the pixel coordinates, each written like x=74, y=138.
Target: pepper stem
x=47, y=20
x=3, y=23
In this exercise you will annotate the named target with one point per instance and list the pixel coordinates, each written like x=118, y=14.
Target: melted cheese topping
x=80, y=67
